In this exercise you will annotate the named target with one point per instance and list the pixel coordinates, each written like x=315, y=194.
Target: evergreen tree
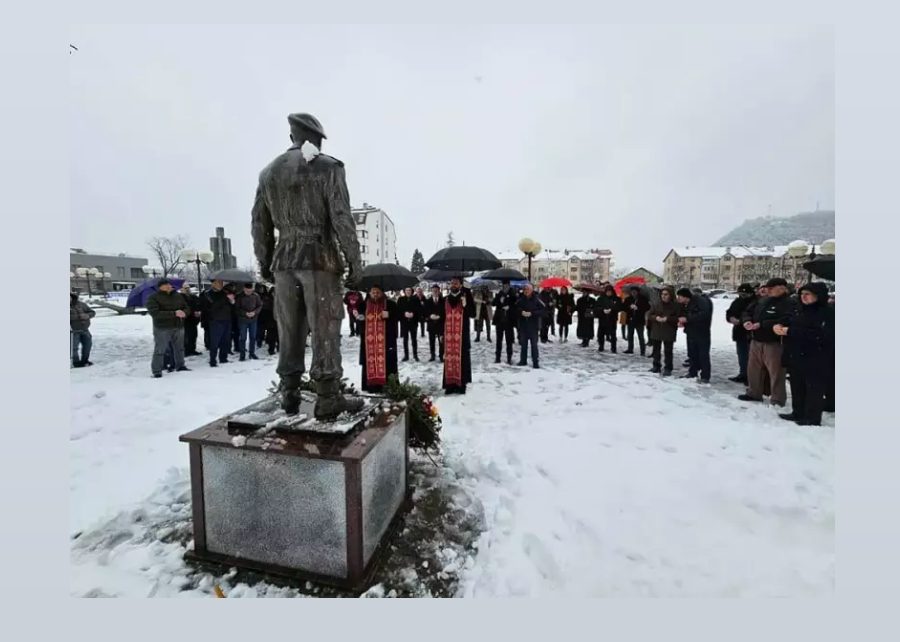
x=450, y=241
x=417, y=265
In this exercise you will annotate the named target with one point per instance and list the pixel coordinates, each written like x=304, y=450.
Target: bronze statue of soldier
x=303, y=195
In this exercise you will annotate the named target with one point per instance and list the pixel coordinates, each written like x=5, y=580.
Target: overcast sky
x=630, y=139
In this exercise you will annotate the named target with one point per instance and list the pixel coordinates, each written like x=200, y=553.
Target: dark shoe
x=183, y=369
x=655, y=369
x=432, y=358
x=667, y=373
x=224, y=361
x=686, y=364
x=406, y=358
x=271, y=351
x=787, y=416
x=738, y=379
x=706, y=381
x=77, y=364
x=489, y=340
x=496, y=359
x=613, y=350
x=536, y=367
x=213, y=364
x=85, y=362
x=243, y=357
x=522, y=363
x=290, y=401
x=170, y=369
x=415, y=357
x=746, y=397
x=477, y=339
x=253, y=356
x=509, y=360
x=157, y=375
x=628, y=352
x=331, y=402
x=688, y=375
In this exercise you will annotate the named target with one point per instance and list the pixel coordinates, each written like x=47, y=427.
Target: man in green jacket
x=168, y=310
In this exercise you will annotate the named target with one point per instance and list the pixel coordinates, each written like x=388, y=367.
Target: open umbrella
x=556, y=282
x=439, y=276
x=387, y=276
x=232, y=275
x=821, y=266
x=504, y=274
x=627, y=282
x=138, y=296
x=482, y=282
x=589, y=287
x=463, y=258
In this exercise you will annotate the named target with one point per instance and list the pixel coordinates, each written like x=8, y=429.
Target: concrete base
x=309, y=504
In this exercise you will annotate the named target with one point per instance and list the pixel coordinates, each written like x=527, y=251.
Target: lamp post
x=197, y=257
x=151, y=271
x=103, y=277
x=530, y=249
x=87, y=273
x=596, y=278
x=797, y=250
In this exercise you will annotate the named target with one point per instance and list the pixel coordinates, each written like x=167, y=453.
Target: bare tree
x=450, y=242
x=617, y=272
x=167, y=250
x=253, y=271
x=679, y=272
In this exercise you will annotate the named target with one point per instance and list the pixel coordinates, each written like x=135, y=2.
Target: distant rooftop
x=78, y=250
x=556, y=255
x=737, y=251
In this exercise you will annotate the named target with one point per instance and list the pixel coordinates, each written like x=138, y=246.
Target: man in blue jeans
x=217, y=305
x=248, y=305
x=80, y=315
x=532, y=312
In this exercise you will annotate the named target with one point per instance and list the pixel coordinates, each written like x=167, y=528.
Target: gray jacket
x=248, y=303
x=80, y=315
x=308, y=203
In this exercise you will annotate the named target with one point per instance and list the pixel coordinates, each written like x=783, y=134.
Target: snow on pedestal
x=304, y=504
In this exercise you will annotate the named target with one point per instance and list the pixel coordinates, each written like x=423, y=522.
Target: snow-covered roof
x=737, y=251
x=553, y=255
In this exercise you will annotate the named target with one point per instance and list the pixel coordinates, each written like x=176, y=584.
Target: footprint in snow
x=670, y=449
x=541, y=558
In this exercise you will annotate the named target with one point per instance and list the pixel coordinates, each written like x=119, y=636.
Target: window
x=120, y=272
x=137, y=273
x=377, y=252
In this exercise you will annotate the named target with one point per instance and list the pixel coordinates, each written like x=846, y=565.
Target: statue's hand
x=353, y=274
x=266, y=274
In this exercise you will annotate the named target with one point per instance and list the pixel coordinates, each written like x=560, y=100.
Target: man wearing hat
x=168, y=309
x=740, y=336
x=696, y=319
x=766, y=350
x=80, y=315
x=303, y=196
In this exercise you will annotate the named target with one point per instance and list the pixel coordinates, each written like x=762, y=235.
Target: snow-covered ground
x=588, y=477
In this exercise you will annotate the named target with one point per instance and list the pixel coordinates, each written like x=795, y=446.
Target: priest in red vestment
x=377, y=317
x=459, y=308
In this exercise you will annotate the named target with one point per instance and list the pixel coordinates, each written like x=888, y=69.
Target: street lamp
x=597, y=278
x=530, y=249
x=197, y=257
x=103, y=277
x=87, y=273
x=797, y=250
x=827, y=247
x=151, y=271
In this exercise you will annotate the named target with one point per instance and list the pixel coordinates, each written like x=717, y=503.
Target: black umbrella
x=232, y=275
x=822, y=267
x=387, y=276
x=463, y=258
x=440, y=276
x=504, y=274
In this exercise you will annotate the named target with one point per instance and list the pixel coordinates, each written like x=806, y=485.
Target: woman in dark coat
x=606, y=310
x=585, y=309
x=809, y=354
x=663, y=323
x=565, y=306
x=378, y=318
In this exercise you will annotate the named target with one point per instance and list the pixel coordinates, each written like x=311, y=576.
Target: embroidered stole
x=453, y=344
x=376, y=354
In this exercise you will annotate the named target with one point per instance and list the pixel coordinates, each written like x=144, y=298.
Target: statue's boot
x=290, y=401
x=330, y=402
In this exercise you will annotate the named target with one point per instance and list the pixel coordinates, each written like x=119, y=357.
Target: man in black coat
x=505, y=320
x=606, y=311
x=766, y=348
x=636, y=307
x=191, y=321
x=433, y=313
x=410, y=309
x=739, y=335
x=218, y=304
x=532, y=313
x=697, y=323
x=548, y=298
x=809, y=354
x=168, y=309
x=584, y=308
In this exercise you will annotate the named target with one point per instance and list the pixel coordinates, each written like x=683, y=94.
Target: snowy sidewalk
x=595, y=477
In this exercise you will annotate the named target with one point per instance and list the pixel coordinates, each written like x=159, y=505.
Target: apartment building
x=575, y=265
x=376, y=235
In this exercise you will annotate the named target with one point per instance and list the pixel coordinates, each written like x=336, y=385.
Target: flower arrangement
x=424, y=418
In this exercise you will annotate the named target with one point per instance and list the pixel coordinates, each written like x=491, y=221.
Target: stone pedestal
x=295, y=497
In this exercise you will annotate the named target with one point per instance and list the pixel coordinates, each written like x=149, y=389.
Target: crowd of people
x=780, y=338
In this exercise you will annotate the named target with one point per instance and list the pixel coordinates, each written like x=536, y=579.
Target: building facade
x=124, y=270
x=220, y=246
x=644, y=273
x=575, y=265
x=727, y=267
x=376, y=235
